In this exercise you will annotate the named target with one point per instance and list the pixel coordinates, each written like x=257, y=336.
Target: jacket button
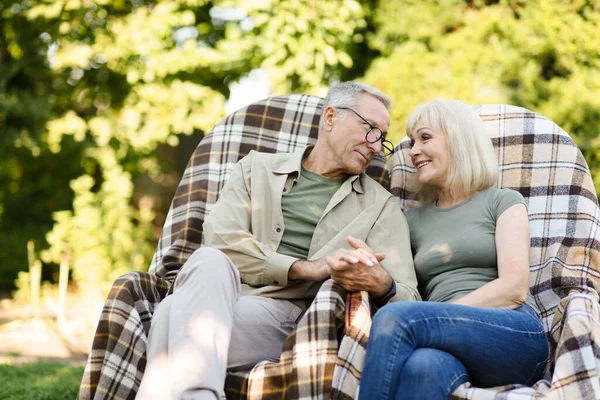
x=284, y=190
x=278, y=230
x=276, y=282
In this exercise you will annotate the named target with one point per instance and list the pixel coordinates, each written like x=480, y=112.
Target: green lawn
x=40, y=381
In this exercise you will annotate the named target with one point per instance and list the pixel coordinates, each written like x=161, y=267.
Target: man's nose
x=376, y=147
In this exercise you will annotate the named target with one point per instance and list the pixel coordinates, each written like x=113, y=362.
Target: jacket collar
x=294, y=165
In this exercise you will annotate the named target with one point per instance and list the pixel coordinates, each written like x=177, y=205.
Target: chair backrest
x=275, y=124
x=540, y=160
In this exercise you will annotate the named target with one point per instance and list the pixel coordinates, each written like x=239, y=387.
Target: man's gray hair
x=348, y=94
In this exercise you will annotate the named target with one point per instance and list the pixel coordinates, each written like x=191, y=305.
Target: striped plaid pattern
x=541, y=161
x=314, y=364
x=536, y=158
x=118, y=357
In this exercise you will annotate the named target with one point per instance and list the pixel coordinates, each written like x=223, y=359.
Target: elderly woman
x=470, y=244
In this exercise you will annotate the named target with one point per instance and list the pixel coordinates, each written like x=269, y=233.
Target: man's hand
x=359, y=269
x=317, y=270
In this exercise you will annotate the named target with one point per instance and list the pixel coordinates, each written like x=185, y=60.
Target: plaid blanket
x=541, y=161
x=319, y=359
x=314, y=363
x=118, y=357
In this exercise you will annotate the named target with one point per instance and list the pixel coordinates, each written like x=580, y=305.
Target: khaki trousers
x=205, y=328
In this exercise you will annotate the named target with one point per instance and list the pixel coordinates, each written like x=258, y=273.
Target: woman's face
x=430, y=154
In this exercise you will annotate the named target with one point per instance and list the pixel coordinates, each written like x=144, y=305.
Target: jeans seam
x=390, y=366
x=457, y=377
x=481, y=322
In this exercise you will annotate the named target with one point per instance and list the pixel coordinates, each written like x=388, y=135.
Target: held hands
x=355, y=270
x=359, y=269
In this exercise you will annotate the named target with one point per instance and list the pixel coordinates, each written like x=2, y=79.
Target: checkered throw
x=318, y=360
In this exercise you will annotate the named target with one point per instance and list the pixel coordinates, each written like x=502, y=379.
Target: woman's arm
x=512, y=247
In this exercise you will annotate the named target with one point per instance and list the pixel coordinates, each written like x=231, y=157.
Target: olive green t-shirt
x=454, y=248
x=302, y=209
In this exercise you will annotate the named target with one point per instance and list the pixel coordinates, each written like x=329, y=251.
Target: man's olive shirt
x=246, y=223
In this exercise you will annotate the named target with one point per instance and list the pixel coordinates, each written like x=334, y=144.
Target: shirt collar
x=294, y=164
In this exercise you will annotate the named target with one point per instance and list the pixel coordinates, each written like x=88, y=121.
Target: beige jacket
x=246, y=223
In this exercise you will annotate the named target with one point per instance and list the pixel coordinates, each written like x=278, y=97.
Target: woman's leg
x=497, y=346
x=421, y=366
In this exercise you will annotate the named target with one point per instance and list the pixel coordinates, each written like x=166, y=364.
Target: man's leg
x=260, y=328
x=191, y=329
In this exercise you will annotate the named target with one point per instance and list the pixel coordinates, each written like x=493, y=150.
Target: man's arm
x=228, y=228
x=303, y=270
x=380, y=273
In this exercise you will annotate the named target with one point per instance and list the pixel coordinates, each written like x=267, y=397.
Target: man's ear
x=329, y=115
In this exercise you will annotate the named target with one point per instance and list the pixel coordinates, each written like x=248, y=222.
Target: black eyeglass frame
x=386, y=144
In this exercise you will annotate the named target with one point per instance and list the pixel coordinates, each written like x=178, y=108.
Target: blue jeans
x=425, y=350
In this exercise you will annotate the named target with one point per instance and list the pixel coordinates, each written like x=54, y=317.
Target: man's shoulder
x=371, y=186
x=268, y=156
x=265, y=160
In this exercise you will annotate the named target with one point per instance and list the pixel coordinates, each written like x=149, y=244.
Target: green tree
x=33, y=180
x=92, y=93
x=539, y=54
x=120, y=79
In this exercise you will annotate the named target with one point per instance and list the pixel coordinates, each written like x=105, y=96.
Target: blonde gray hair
x=348, y=94
x=473, y=162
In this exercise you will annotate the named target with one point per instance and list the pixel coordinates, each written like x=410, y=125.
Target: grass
x=39, y=381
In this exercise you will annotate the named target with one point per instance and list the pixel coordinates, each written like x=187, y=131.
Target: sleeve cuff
x=382, y=300
x=277, y=268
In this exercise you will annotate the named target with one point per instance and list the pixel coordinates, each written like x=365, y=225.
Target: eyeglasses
x=374, y=134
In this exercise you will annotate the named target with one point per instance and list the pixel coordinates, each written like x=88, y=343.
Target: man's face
x=346, y=139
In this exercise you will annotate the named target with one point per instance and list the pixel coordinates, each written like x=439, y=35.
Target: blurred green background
x=102, y=102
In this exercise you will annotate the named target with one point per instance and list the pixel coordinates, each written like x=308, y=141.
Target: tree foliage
x=117, y=80
x=92, y=92
x=539, y=54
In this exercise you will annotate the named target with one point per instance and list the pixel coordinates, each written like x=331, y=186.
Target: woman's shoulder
x=501, y=199
x=505, y=194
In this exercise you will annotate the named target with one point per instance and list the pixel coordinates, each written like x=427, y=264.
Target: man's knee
x=207, y=263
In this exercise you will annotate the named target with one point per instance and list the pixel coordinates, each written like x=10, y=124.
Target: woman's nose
x=414, y=150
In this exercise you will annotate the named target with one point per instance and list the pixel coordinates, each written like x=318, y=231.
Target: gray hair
x=348, y=94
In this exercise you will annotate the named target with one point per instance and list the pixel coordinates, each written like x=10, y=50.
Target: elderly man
x=283, y=224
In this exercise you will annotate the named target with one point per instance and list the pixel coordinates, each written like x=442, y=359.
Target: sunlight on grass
x=48, y=381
